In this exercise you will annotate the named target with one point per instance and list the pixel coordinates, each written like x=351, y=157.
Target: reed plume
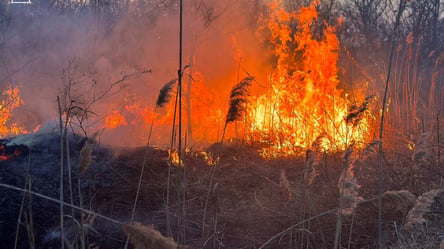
x=285, y=184
x=163, y=99
x=423, y=149
x=355, y=113
x=371, y=150
x=348, y=184
x=399, y=199
x=85, y=158
x=421, y=207
x=165, y=93
x=146, y=237
x=238, y=99
x=313, y=159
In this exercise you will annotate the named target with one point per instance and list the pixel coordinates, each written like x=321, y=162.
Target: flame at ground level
x=301, y=106
x=10, y=101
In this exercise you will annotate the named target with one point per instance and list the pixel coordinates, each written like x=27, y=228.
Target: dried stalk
x=19, y=219
x=59, y=202
x=238, y=100
x=62, y=246
x=384, y=103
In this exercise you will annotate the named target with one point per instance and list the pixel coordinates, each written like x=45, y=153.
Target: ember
x=5, y=155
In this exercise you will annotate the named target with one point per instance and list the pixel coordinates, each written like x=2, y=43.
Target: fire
x=303, y=102
x=114, y=120
x=11, y=100
x=174, y=159
x=6, y=156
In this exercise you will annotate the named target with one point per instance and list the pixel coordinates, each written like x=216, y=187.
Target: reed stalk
x=384, y=103
x=62, y=244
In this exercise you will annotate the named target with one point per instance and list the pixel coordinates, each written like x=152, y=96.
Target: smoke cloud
x=38, y=45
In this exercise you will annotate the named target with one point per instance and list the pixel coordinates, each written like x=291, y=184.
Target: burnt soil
x=254, y=200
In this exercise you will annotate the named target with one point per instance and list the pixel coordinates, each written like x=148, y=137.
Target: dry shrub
x=422, y=206
x=85, y=158
x=146, y=237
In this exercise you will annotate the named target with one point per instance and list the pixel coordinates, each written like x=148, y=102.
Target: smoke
x=38, y=43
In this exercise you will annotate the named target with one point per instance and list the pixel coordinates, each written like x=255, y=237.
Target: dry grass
x=85, y=158
x=422, y=206
x=146, y=237
x=398, y=199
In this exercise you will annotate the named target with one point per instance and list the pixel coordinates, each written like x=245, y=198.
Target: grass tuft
x=146, y=237
x=422, y=206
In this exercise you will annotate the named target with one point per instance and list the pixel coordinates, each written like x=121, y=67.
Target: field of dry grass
x=258, y=203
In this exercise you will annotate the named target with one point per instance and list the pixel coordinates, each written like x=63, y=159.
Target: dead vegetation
x=274, y=203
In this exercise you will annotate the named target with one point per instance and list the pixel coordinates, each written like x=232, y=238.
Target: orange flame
x=303, y=102
x=11, y=100
x=114, y=120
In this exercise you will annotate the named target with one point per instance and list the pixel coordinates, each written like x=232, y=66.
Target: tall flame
x=303, y=102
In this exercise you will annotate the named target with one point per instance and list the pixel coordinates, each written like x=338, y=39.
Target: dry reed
x=348, y=184
x=165, y=93
x=146, y=237
x=85, y=158
x=422, y=206
x=399, y=199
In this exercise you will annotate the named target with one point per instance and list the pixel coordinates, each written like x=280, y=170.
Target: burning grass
x=11, y=100
x=301, y=104
x=264, y=194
